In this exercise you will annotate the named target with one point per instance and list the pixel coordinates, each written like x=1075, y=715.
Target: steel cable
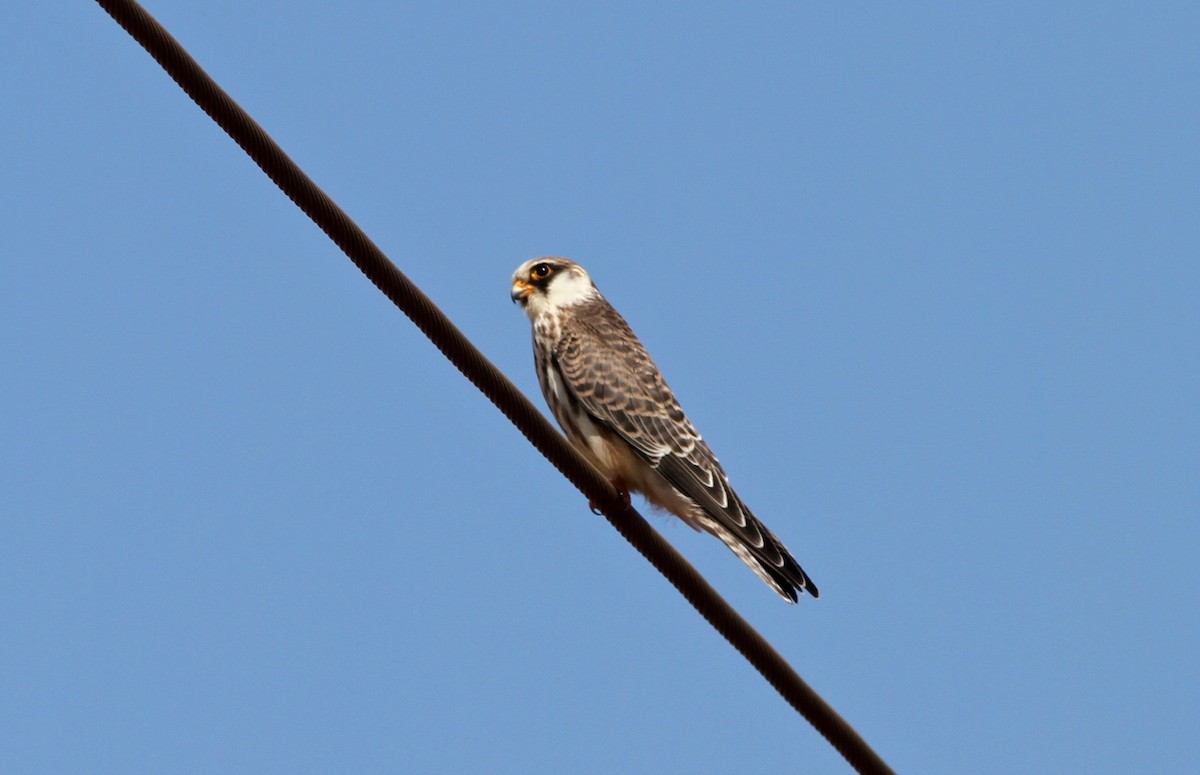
x=332, y=220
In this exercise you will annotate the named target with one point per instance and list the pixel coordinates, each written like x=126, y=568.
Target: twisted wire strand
x=339, y=227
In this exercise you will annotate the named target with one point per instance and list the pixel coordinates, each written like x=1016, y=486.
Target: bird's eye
x=541, y=271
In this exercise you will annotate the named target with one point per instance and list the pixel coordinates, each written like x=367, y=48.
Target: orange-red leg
x=621, y=490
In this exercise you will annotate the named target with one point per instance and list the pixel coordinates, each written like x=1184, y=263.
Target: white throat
x=567, y=289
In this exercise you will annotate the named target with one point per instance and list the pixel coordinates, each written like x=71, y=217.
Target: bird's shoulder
x=596, y=344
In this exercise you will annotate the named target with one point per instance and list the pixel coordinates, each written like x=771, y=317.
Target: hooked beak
x=521, y=291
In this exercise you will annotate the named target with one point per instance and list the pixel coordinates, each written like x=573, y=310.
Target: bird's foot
x=624, y=493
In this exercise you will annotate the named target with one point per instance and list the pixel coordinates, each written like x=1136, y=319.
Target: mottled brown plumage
x=615, y=407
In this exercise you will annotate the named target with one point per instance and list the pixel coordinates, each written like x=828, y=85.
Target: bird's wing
x=609, y=371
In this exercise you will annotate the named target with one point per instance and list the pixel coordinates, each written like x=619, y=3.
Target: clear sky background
x=925, y=276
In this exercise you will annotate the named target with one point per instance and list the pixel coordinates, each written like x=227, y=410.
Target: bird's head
x=547, y=283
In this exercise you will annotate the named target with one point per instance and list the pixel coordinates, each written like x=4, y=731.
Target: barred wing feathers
x=609, y=371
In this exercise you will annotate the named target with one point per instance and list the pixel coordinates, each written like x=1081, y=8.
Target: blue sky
x=925, y=276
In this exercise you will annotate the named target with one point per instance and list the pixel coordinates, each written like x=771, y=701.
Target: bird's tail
x=772, y=562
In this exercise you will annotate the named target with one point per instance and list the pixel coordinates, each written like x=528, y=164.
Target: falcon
x=616, y=409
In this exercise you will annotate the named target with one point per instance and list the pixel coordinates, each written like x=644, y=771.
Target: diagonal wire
x=331, y=219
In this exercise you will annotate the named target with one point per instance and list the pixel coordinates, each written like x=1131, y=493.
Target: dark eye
x=541, y=271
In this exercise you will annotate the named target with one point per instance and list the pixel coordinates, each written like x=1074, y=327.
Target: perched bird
x=615, y=408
